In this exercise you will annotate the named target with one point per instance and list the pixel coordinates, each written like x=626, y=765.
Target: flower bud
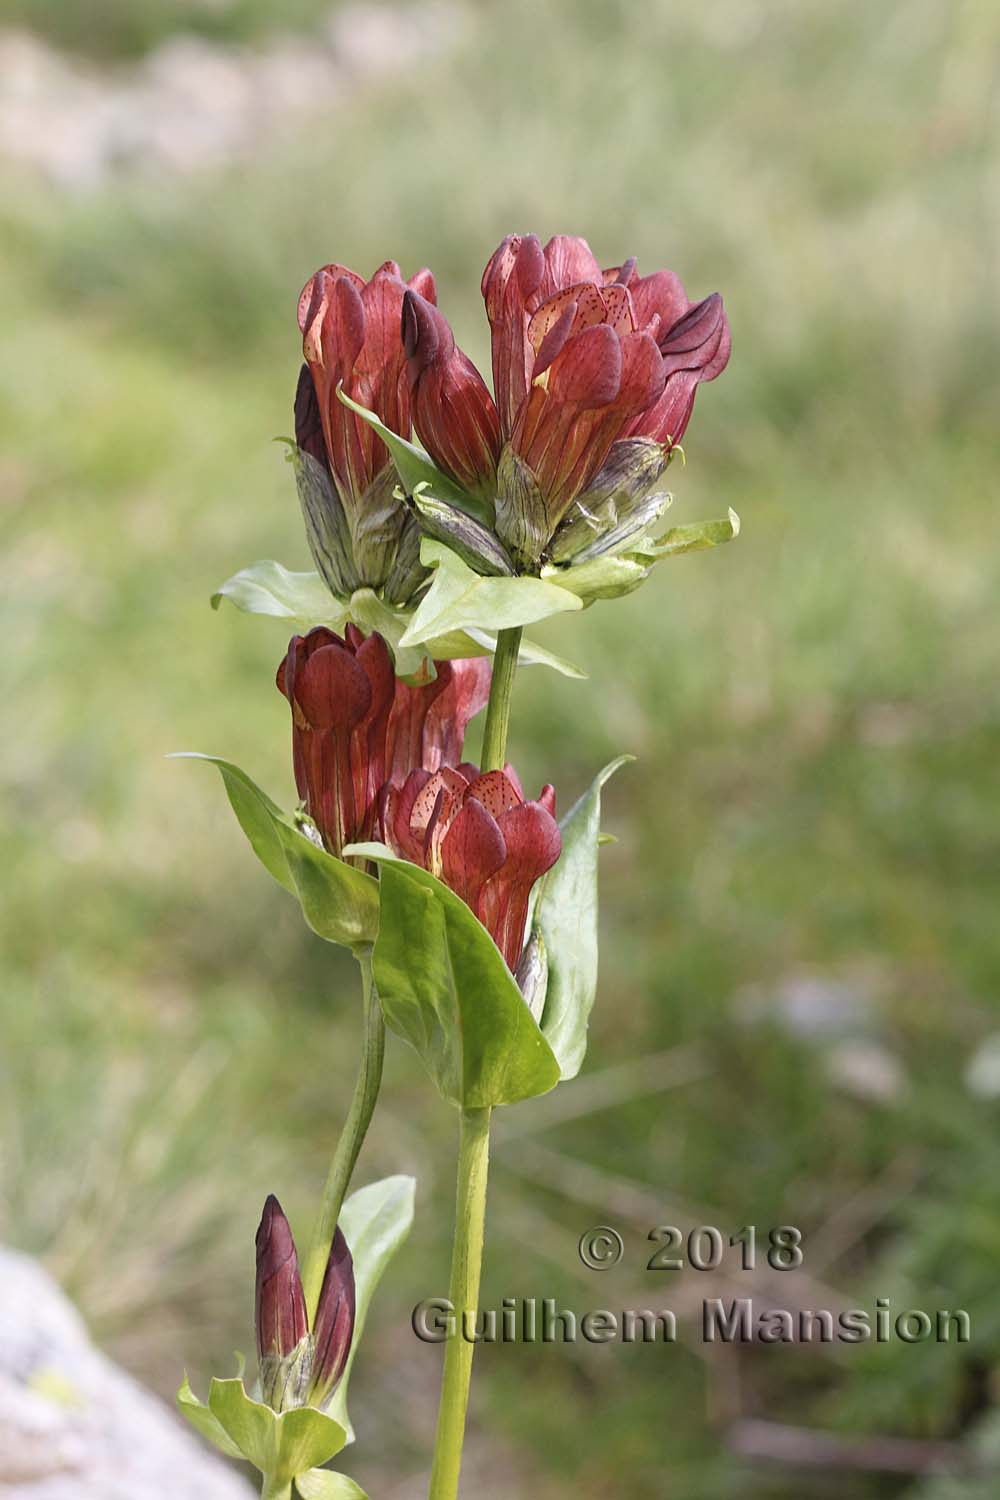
x=284, y=1349
x=333, y=1327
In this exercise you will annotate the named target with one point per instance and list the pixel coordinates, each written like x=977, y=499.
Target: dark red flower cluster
x=356, y=726
x=479, y=835
x=582, y=358
x=375, y=754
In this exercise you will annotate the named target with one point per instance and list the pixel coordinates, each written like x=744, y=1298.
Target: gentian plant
x=472, y=911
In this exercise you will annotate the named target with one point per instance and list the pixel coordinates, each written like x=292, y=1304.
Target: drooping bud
x=618, y=503
x=471, y=540
x=532, y=975
x=333, y=1327
x=284, y=1349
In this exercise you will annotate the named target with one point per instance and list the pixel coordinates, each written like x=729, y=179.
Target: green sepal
x=461, y=600
x=203, y=1420
x=565, y=917
x=376, y=1220
x=324, y=1484
x=340, y=903
x=414, y=466
x=303, y=600
x=446, y=989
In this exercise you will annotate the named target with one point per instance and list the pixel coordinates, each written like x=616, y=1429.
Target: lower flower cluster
x=373, y=754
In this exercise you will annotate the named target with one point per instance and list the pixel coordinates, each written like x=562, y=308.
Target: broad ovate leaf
x=267, y=588
x=204, y=1421
x=461, y=600
x=324, y=1484
x=281, y=1445
x=565, y=918
x=303, y=600
x=445, y=989
x=376, y=1220
x=339, y=902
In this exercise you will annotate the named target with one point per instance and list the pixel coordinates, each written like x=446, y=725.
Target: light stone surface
x=73, y=1426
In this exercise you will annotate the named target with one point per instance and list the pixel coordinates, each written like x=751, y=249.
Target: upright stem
x=271, y=1491
x=466, y=1263
x=351, y=1137
x=501, y=692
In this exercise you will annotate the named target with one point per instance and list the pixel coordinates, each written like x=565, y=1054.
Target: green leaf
x=693, y=538
x=414, y=466
x=375, y=1220
x=279, y=1445
x=459, y=599
x=339, y=902
x=601, y=578
x=609, y=577
x=565, y=917
x=324, y=1484
x=446, y=990
x=303, y=600
x=267, y=588
x=202, y=1419
x=529, y=654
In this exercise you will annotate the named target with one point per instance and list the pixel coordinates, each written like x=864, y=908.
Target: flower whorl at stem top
x=359, y=534
x=299, y=1366
x=479, y=835
x=355, y=725
x=583, y=359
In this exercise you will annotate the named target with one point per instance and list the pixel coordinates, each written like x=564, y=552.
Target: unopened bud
x=333, y=1327
x=284, y=1349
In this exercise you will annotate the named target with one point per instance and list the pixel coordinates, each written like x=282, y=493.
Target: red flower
x=351, y=334
x=581, y=358
x=478, y=835
x=356, y=726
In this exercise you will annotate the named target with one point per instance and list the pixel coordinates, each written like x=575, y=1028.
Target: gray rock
x=75, y=1427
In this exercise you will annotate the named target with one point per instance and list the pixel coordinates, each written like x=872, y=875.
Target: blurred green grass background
x=815, y=810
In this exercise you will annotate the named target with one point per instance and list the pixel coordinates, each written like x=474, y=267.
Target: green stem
x=501, y=692
x=351, y=1137
x=466, y=1264
x=269, y=1490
